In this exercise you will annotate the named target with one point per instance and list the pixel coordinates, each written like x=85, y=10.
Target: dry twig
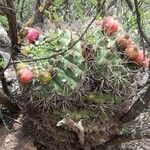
x=138, y=19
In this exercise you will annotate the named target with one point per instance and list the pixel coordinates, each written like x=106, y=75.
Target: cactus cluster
x=63, y=72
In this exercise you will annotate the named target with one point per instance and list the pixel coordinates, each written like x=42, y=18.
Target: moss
x=101, y=98
x=75, y=114
x=82, y=114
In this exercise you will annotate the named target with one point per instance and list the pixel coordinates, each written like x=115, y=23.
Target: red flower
x=110, y=25
x=33, y=35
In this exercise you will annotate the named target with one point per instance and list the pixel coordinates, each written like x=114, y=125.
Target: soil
x=10, y=137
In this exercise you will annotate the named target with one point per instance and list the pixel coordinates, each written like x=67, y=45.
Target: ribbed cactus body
x=67, y=67
x=111, y=73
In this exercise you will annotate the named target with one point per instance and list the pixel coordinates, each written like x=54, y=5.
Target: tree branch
x=111, y=4
x=38, y=59
x=11, y=15
x=130, y=5
x=138, y=19
x=115, y=142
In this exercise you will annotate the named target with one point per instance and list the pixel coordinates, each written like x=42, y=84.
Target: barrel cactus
x=83, y=85
x=65, y=67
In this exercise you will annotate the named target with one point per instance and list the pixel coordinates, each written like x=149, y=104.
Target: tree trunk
x=11, y=15
x=5, y=100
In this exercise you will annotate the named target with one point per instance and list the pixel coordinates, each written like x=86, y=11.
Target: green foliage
x=4, y=22
x=24, y=9
x=76, y=114
x=83, y=10
x=101, y=98
x=70, y=11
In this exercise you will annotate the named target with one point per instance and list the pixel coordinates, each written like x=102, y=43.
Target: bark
x=11, y=15
x=138, y=107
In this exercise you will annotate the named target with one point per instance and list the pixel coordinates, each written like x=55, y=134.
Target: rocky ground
x=140, y=133
x=10, y=138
